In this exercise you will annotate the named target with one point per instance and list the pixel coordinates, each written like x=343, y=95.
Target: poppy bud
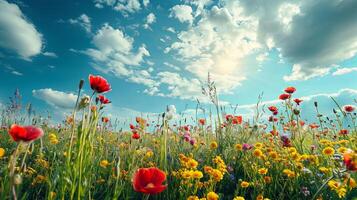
x=334, y=111
x=81, y=82
x=315, y=103
x=296, y=111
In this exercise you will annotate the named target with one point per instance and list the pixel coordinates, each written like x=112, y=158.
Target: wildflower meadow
x=222, y=156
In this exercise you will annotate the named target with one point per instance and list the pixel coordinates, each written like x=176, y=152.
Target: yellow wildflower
x=212, y=196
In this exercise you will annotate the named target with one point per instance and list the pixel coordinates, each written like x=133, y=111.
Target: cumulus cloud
x=125, y=7
x=218, y=43
x=83, y=21
x=17, y=33
x=57, y=99
x=311, y=35
x=150, y=19
x=345, y=70
x=182, y=12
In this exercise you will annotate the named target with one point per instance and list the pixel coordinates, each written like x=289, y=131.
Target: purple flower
x=246, y=146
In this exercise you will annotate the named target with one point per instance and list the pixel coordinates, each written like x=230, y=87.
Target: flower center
x=150, y=185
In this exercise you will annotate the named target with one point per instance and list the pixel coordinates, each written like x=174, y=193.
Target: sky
x=158, y=53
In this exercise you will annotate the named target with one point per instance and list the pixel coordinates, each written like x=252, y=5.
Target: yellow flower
x=2, y=152
x=258, y=145
x=334, y=185
x=260, y=197
x=212, y=196
x=149, y=154
x=193, y=198
x=263, y=171
x=328, y=151
x=267, y=179
x=186, y=174
x=197, y=174
x=216, y=174
x=324, y=170
x=104, y=163
x=239, y=198
x=273, y=154
x=239, y=147
x=244, y=184
x=213, y=145
x=342, y=150
x=341, y=192
x=258, y=152
x=289, y=173
x=192, y=164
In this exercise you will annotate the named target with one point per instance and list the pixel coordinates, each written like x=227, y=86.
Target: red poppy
x=132, y=126
x=273, y=108
x=349, y=108
x=343, y=132
x=350, y=160
x=284, y=96
x=105, y=119
x=26, y=133
x=229, y=117
x=275, y=112
x=149, y=180
x=313, y=126
x=135, y=135
x=186, y=128
x=99, y=84
x=297, y=101
x=237, y=120
x=302, y=123
x=103, y=99
x=202, y=121
x=290, y=90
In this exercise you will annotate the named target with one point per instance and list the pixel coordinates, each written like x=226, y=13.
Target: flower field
x=223, y=156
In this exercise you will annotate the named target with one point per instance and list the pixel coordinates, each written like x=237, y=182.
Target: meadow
x=222, y=156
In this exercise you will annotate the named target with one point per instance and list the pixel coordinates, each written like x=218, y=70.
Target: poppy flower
x=26, y=133
x=135, y=136
x=284, y=96
x=202, y=121
x=105, y=119
x=99, y=84
x=297, y=101
x=149, y=180
x=290, y=90
x=132, y=126
x=350, y=160
x=273, y=108
x=229, y=117
x=103, y=99
x=237, y=120
x=349, y=108
x=343, y=132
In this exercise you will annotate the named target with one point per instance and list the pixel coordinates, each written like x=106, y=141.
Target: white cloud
x=218, y=43
x=50, y=54
x=171, y=29
x=17, y=73
x=146, y=3
x=17, y=32
x=57, y=99
x=83, y=21
x=125, y=7
x=172, y=66
x=150, y=19
x=313, y=36
x=182, y=12
x=342, y=71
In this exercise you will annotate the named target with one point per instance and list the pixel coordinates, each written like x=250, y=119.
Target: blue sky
x=158, y=53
